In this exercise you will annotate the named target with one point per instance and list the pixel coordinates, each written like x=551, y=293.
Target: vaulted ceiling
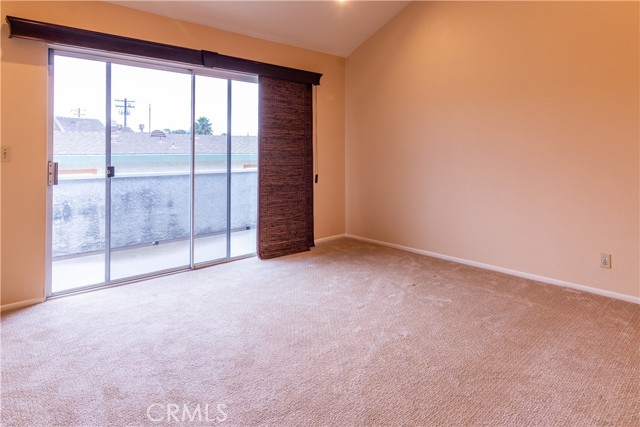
x=335, y=27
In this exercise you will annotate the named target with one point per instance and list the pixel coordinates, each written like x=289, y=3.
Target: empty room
x=313, y=213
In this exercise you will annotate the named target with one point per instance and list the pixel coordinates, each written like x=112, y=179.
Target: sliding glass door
x=77, y=213
x=150, y=183
x=156, y=170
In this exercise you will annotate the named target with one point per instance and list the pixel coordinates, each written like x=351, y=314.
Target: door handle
x=52, y=173
x=111, y=171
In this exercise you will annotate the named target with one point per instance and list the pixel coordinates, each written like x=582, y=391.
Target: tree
x=203, y=126
x=175, y=131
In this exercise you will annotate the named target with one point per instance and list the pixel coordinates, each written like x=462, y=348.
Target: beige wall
x=501, y=133
x=24, y=122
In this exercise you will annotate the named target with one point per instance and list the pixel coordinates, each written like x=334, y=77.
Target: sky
x=160, y=98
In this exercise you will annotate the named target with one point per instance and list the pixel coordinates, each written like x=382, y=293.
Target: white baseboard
x=327, y=239
x=602, y=292
x=21, y=304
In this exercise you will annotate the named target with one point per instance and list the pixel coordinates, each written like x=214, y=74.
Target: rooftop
x=143, y=143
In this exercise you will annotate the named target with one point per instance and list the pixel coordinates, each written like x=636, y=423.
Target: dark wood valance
x=69, y=36
x=216, y=60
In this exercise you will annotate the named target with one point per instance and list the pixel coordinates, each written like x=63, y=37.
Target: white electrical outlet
x=605, y=260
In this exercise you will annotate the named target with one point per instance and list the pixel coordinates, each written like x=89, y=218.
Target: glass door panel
x=150, y=155
x=78, y=201
x=244, y=167
x=131, y=154
x=210, y=191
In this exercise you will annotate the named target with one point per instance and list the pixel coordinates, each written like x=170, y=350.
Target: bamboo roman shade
x=285, y=171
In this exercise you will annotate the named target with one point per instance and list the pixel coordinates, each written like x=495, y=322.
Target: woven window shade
x=285, y=170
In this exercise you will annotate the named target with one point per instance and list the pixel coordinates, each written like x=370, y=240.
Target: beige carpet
x=350, y=334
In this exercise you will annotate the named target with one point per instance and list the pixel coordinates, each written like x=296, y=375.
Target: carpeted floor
x=350, y=334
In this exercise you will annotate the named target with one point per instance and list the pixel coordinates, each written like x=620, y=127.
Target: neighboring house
x=77, y=124
x=93, y=142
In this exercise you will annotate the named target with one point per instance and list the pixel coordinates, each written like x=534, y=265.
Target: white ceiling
x=335, y=27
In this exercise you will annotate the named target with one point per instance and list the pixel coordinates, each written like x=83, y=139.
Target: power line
x=77, y=112
x=124, y=108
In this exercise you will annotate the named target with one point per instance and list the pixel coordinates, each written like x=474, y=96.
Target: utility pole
x=77, y=112
x=124, y=108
